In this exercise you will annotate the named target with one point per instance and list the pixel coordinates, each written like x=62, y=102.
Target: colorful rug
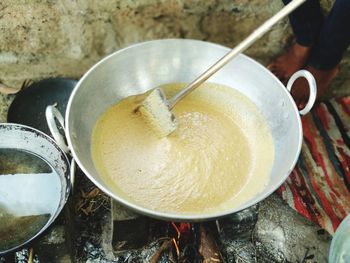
x=319, y=186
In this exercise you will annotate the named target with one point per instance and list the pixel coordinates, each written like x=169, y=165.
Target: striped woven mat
x=319, y=186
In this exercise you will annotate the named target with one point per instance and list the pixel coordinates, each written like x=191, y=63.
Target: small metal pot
x=144, y=66
x=21, y=195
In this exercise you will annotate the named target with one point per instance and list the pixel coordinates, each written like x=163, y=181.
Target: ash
x=22, y=256
x=95, y=254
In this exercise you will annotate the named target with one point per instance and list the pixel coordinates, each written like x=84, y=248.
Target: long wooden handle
x=260, y=31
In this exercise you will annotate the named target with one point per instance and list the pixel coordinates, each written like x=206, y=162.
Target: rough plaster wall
x=65, y=37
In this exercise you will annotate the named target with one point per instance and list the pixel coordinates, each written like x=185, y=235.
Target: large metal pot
x=144, y=66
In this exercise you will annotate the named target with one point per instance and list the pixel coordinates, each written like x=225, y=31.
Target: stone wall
x=43, y=38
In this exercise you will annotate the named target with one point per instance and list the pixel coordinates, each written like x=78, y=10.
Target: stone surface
x=272, y=232
x=5, y=101
x=282, y=235
x=235, y=232
x=121, y=213
x=65, y=38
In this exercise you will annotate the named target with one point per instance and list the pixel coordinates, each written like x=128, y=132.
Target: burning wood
x=30, y=258
x=177, y=230
x=176, y=247
x=184, y=238
x=164, y=247
x=184, y=243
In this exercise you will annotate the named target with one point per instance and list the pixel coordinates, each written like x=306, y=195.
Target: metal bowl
x=144, y=66
x=30, y=198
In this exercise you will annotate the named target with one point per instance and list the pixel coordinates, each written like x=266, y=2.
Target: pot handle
x=312, y=87
x=52, y=114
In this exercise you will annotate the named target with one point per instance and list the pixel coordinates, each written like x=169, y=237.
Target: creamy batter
x=219, y=157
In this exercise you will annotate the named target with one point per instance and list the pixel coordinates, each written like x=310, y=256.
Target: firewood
x=164, y=247
x=208, y=247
